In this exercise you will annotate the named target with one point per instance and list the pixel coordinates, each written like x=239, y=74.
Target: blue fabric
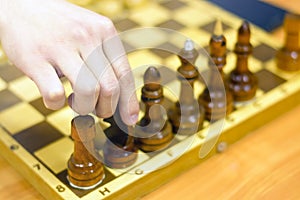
x=259, y=13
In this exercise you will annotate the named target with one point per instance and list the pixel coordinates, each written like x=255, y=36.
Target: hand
x=52, y=38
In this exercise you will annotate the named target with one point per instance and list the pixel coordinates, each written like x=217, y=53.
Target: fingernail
x=134, y=118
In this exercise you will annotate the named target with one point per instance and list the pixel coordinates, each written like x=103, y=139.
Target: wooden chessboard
x=37, y=141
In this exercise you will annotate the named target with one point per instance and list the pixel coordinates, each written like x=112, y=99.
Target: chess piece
x=288, y=57
x=187, y=116
x=242, y=82
x=154, y=130
x=84, y=170
x=119, y=149
x=216, y=97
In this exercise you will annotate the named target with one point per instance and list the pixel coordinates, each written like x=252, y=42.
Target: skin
x=50, y=39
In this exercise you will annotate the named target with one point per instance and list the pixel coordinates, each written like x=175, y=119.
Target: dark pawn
x=84, y=170
x=119, y=149
x=242, y=82
x=187, y=116
x=154, y=131
x=288, y=57
x=216, y=98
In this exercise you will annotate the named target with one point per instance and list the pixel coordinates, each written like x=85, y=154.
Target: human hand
x=49, y=39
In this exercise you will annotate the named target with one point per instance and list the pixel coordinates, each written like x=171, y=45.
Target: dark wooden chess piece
x=119, y=149
x=187, y=116
x=84, y=170
x=154, y=131
x=288, y=57
x=242, y=82
x=216, y=97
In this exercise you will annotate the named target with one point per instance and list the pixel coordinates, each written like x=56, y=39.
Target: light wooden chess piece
x=187, y=115
x=288, y=57
x=242, y=82
x=84, y=170
x=216, y=98
x=154, y=131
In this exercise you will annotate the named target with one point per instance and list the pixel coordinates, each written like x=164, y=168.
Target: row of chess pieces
x=156, y=130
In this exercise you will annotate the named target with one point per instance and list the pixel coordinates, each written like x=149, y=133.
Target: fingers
x=85, y=86
x=48, y=83
x=129, y=106
x=109, y=85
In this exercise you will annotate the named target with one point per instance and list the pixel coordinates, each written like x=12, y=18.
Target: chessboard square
x=191, y=17
x=263, y=52
x=231, y=39
x=25, y=88
x=2, y=84
x=167, y=75
x=7, y=99
x=9, y=72
x=198, y=36
x=143, y=58
x=39, y=105
x=198, y=89
x=202, y=61
x=173, y=5
x=141, y=157
x=37, y=136
x=172, y=62
x=165, y=50
x=62, y=176
x=55, y=155
x=125, y=24
x=272, y=66
x=61, y=120
x=145, y=37
x=254, y=64
x=267, y=80
x=209, y=27
x=172, y=90
x=20, y=117
x=67, y=86
x=150, y=16
x=171, y=24
x=230, y=63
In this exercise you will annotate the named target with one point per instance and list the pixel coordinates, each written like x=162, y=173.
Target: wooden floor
x=263, y=165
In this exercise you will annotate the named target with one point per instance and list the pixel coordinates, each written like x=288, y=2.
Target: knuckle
x=80, y=34
x=87, y=88
x=107, y=25
x=100, y=24
x=54, y=96
x=110, y=88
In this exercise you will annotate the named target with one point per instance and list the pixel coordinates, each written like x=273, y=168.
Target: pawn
x=242, y=82
x=154, y=131
x=187, y=116
x=288, y=57
x=119, y=149
x=216, y=98
x=84, y=170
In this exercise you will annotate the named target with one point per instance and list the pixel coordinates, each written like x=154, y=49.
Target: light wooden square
x=61, y=120
x=150, y=16
x=56, y=154
x=20, y=117
x=24, y=88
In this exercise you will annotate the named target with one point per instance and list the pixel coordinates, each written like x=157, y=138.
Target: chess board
x=37, y=141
